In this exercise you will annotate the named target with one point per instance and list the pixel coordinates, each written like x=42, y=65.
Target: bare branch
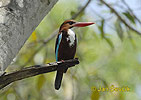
x=81, y=10
x=120, y=18
x=42, y=45
x=35, y=70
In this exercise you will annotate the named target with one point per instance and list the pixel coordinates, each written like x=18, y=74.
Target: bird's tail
x=58, y=80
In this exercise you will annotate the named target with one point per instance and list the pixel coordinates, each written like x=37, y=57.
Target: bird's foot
x=62, y=61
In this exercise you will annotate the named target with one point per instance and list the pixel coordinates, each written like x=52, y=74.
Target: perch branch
x=34, y=70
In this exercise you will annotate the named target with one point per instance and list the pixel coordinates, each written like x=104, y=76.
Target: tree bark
x=18, y=19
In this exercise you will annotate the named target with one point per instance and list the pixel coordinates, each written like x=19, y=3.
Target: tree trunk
x=18, y=19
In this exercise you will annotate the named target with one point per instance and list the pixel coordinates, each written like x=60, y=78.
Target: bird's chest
x=67, y=47
x=70, y=38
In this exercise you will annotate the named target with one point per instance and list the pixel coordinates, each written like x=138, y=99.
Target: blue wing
x=57, y=45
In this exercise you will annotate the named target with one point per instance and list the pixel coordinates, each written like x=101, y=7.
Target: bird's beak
x=82, y=24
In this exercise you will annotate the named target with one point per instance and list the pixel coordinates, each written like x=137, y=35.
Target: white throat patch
x=71, y=37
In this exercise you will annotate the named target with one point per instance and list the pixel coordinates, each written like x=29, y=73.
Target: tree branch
x=42, y=45
x=120, y=18
x=35, y=70
x=81, y=10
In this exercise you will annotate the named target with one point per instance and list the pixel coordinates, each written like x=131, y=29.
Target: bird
x=65, y=47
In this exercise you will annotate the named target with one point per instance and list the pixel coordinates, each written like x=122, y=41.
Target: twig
x=120, y=18
x=35, y=70
x=41, y=46
x=81, y=10
x=54, y=33
x=105, y=19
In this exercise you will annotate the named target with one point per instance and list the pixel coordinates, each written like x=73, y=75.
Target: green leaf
x=129, y=16
x=101, y=28
x=119, y=30
x=72, y=13
x=109, y=42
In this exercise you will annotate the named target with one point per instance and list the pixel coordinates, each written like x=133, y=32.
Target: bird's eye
x=71, y=23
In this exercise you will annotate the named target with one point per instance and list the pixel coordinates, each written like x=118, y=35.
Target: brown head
x=68, y=24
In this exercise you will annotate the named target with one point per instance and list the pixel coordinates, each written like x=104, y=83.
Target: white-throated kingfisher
x=65, y=47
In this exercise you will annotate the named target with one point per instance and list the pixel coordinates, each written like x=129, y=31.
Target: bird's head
x=68, y=24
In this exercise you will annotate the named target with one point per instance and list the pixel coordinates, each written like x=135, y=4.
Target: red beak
x=82, y=24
